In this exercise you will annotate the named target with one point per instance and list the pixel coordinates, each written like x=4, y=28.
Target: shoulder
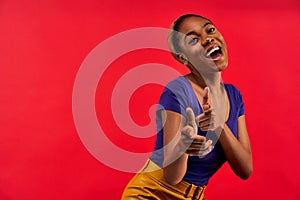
x=233, y=93
x=231, y=87
x=235, y=97
x=174, y=96
x=178, y=86
x=232, y=90
x=179, y=82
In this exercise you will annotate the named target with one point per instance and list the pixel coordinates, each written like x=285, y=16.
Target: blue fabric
x=177, y=96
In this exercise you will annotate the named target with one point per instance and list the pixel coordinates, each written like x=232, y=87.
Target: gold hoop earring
x=185, y=62
x=183, y=59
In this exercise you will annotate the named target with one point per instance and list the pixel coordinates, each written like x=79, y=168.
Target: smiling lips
x=214, y=52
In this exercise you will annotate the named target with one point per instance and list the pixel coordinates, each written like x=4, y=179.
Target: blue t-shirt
x=177, y=96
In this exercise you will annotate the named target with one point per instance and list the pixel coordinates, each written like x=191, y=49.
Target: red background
x=43, y=44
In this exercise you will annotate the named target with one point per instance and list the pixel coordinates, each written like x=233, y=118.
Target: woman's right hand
x=196, y=145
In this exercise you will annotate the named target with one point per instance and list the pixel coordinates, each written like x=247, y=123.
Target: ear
x=181, y=58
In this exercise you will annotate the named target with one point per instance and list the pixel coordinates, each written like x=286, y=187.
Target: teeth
x=212, y=50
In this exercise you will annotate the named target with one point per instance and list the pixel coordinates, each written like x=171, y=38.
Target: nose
x=207, y=41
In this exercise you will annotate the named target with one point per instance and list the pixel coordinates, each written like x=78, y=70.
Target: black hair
x=175, y=32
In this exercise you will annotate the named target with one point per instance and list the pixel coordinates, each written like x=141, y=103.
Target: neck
x=211, y=80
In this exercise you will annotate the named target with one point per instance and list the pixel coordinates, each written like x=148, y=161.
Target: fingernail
x=212, y=147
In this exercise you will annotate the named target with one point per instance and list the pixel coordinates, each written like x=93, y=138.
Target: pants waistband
x=189, y=190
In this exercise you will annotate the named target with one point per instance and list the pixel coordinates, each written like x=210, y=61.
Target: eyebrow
x=194, y=32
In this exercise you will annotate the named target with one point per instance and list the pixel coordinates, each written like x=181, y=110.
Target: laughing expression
x=203, y=45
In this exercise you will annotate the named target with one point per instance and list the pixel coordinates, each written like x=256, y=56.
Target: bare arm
x=237, y=150
x=175, y=159
x=180, y=141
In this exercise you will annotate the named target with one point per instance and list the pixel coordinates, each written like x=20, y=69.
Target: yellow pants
x=149, y=183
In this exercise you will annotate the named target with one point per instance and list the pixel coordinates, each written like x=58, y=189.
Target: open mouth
x=214, y=52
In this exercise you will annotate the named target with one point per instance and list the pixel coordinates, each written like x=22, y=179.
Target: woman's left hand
x=207, y=120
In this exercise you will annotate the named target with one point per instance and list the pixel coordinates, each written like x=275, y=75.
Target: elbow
x=171, y=179
x=172, y=182
x=245, y=176
x=246, y=173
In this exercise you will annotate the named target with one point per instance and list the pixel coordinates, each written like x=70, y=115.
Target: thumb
x=206, y=96
x=206, y=104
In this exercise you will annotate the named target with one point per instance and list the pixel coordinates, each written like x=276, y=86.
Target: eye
x=193, y=41
x=211, y=30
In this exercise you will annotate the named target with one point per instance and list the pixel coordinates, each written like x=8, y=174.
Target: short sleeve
x=170, y=101
x=175, y=97
x=241, y=104
x=236, y=100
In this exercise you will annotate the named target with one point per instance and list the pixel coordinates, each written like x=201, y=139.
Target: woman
x=200, y=120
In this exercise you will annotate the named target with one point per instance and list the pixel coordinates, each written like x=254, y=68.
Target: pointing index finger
x=190, y=117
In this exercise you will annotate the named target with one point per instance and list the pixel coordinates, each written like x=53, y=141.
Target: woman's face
x=203, y=45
